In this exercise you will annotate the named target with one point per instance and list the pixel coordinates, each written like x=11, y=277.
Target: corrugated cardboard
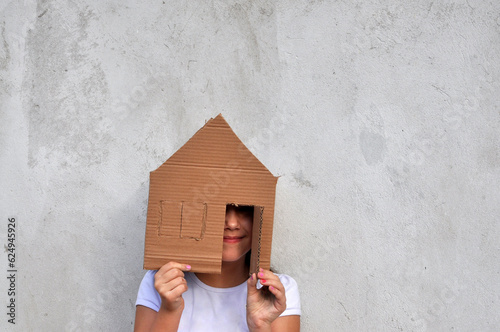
x=188, y=195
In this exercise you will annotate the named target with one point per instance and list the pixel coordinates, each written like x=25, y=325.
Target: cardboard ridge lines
x=188, y=195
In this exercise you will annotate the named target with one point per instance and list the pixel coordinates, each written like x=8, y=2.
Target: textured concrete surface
x=381, y=117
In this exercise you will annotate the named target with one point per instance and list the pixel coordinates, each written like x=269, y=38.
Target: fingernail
x=261, y=274
x=271, y=287
x=262, y=281
x=188, y=267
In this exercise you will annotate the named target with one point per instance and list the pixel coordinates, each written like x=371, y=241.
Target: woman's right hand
x=170, y=284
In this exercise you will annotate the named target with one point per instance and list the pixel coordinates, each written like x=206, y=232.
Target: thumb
x=252, y=284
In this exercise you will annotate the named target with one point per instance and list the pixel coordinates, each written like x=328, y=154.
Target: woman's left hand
x=266, y=304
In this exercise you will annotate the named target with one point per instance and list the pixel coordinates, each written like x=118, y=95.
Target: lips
x=233, y=239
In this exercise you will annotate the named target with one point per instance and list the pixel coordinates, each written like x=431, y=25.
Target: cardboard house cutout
x=188, y=196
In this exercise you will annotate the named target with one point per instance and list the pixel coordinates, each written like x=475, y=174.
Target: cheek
x=249, y=229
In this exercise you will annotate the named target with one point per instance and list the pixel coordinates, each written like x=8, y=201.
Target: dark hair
x=246, y=209
x=247, y=257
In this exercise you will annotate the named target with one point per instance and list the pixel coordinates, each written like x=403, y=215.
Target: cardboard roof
x=188, y=195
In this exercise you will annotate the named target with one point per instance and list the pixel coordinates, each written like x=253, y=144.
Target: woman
x=173, y=299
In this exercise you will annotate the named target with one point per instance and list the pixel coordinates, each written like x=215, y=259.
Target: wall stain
x=371, y=134
x=5, y=51
x=372, y=146
x=303, y=182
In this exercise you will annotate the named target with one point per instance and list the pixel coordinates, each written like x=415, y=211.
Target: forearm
x=281, y=324
x=259, y=328
x=167, y=321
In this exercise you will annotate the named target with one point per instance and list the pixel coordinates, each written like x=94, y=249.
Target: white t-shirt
x=214, y=309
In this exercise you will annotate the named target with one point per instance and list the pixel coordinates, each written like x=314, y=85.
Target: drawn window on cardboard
x=188, y=195
x=185, y=220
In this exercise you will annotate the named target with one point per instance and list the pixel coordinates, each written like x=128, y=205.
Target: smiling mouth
x=232, y=239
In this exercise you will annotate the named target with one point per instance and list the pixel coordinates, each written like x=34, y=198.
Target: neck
x=232, y=274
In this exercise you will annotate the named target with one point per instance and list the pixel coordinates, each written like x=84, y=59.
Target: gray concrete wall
x=380, y=117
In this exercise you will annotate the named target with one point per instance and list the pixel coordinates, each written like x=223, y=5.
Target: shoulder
x=147, y=294
x=149, y=278
x=292, y=295
x=287, y=281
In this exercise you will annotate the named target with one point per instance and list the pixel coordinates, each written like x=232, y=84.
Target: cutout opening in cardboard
x=257, y=213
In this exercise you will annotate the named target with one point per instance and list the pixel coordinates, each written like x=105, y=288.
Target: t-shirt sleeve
x=292, y=295
x=147, y=295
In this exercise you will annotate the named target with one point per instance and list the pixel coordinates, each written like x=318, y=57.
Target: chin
x=229, y=259
x=232, y=258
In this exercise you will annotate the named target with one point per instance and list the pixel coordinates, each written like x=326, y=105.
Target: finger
x=172, y=274
x=171, y=298
x=172, y=289
x=279, y=295
x=167, y=276
x=178, y=287
x=276, y=283
x=173, y=265
x=273, y=282
x=166, y=280
x=265, y=275
x=276, y=288
x=252, y=284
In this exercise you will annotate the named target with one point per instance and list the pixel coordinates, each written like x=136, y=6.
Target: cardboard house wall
x=188, y=196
